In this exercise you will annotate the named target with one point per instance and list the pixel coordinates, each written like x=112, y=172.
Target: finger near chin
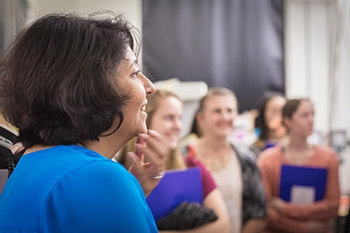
x=153, y=133
x=139, y=150
x=141, y=138
x=133, y=158
x=156, y=163
x=158, y=136
x=152, y=156
x=158, y=146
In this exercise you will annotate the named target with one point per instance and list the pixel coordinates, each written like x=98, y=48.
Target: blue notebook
x=302, y=182
x=176, y=187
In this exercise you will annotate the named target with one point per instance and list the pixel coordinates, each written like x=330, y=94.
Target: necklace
x=219, y=163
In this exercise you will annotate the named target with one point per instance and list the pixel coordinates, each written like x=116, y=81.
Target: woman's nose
x=311, y=119
x=226, y=115
x=177, y=125
x=149, y=86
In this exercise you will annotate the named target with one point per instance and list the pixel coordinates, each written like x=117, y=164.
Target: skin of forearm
x=254, y=226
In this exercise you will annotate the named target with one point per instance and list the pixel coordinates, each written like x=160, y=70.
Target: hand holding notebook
x=176, y=187
x=302, y=185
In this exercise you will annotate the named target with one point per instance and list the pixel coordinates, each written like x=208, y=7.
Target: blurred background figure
x=164, y=111
x=235, y=173
x=268, y=124
x=300, y=214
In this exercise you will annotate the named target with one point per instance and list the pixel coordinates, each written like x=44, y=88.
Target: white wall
x=315, y=68
x=131, y=8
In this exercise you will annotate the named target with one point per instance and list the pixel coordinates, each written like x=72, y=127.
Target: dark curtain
x=12, y=20
x=237, y=44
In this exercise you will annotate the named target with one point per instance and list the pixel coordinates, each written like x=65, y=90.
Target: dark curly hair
x=57, y=80
x=260, y=121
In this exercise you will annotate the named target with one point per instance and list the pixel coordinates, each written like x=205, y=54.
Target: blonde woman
x=164, y=111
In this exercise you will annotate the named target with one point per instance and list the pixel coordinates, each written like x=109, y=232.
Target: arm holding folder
x=327, y=207
x=293, y=218
x=274, y=218
x=316, y=193
x=185, y=185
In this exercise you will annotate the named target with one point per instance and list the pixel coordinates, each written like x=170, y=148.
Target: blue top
x=72, y=189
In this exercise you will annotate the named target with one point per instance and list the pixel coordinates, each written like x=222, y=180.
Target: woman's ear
x=286, y=122
x=199, y=119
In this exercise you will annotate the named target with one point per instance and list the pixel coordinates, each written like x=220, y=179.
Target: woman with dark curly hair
x=269, y=122
x=72, y=87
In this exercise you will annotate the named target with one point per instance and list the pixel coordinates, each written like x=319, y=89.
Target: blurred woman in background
x=315, y=216
x=235, y=173
x=164, y=111
x=268, y=123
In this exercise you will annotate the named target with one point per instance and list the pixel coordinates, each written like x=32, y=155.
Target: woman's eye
x=168, y=117
x=135, y=74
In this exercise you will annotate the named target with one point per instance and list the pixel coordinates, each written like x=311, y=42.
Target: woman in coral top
x=298, y=117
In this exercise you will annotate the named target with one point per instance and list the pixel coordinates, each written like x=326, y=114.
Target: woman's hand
x=318, y=226
x=277, y=203
x=150, y=147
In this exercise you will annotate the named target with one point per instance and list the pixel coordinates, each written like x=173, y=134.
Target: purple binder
x=302, y=176
x=176, y=187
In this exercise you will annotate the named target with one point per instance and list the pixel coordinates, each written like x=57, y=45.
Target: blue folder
x=302, y=176
x=175, y=187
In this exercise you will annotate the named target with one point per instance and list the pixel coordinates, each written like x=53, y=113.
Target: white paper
x=302, y=195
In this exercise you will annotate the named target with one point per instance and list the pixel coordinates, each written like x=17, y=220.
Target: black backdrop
x=237, y=44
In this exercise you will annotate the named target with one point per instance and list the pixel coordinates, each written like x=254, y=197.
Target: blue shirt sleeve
x=98, y=197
